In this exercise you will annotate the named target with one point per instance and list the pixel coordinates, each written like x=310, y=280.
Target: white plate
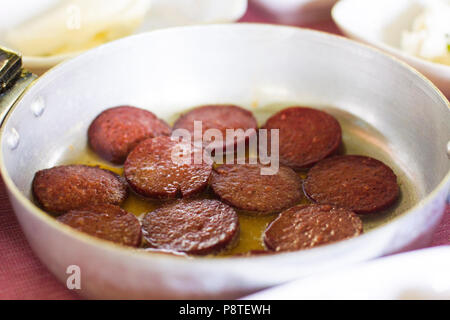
x=380, y=23
x=420, y=274
x=162, y=14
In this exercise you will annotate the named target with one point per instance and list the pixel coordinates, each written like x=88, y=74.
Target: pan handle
x=13, y=80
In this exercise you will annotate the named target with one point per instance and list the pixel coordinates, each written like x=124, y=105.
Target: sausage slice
x=151, y=171
x=196, y=227
x=220, y=117
x=358, y=183
x=308, y=226
x=244, y=187
x=306, y=136
x=63, y=188
x=107, y=222
x=116, y=131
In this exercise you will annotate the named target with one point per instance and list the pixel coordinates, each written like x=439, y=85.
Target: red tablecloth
x=22, y=276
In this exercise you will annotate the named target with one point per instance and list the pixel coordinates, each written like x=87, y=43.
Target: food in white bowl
x=385, y=24
x=429, y=36
x=76, y=25
x=50, y=31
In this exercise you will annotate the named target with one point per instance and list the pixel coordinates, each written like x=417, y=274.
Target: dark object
x=116, y=131
x=13, y=80
x=10, y=68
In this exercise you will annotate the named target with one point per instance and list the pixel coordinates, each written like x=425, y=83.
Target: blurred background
x=47, y=32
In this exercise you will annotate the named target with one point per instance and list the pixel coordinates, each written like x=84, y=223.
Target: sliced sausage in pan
x=306, y=136
x=308, y=226
x=116, y=131
x=152, y=171
x=244, y=187
x=107, y=222
x=196, y=227
x=358, y=183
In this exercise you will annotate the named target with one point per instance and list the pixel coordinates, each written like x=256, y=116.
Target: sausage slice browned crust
x=220, y=117
x=197, y=227
x=306, y=135
x=107, y=222
x=307, y=226
x=116, y=131
x=63, y=188
x=358, y=183
x=244, y=187
x=152, y=172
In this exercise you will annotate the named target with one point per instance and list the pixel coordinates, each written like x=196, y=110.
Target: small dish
x=156, y=14
x=380, y=24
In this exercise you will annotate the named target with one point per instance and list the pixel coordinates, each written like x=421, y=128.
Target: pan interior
x=386, y=110
x=358, y=138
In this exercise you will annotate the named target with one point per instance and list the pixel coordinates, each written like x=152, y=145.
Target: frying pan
x=387, y=110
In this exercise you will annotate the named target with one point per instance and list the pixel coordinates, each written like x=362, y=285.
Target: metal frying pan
x=387, y=110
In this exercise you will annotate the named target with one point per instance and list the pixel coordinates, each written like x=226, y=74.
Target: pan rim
x=38, y=213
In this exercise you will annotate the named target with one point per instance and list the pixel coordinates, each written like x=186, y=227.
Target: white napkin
x=422, y=274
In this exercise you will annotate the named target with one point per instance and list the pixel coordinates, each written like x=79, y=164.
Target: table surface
x=22, y=276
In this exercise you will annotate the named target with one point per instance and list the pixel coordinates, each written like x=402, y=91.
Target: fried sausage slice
x=63, y=188
x=152, y=171
x=244, y=187
x=220, y=117
x=107, y=222
x=116, y=131
x=196, y=227
x=308, y=226
x=306, y=136
x=358, y=183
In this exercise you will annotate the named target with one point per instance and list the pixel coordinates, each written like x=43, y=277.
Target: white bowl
x=380, y=23
x=162, y=14
x=380, y=102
